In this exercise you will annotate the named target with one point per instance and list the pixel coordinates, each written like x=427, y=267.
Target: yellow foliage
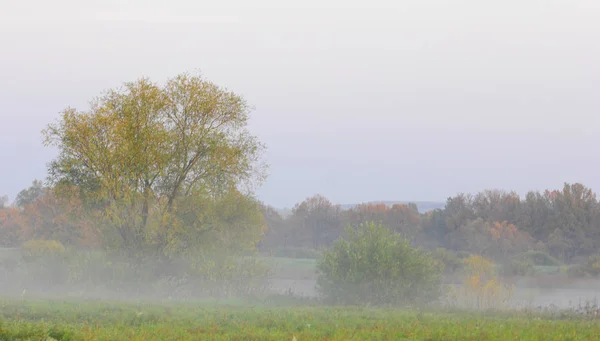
x=481, y=287
x=476, y=265
x=34, y=249
x=503, y=230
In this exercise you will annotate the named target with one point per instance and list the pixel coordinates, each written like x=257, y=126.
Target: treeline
x=497, y=224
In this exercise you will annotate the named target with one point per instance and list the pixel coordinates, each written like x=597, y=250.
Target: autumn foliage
x=481, y=287
x=49, y=216
x=496, y=224
x=10, y=227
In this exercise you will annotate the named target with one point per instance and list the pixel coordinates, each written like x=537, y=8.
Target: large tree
x=145, y=150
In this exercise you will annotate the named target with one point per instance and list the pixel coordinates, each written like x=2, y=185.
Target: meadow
x=283, y=314
x=104, y=320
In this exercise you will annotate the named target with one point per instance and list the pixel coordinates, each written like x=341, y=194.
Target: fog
x=49, y=281
x=356, y=102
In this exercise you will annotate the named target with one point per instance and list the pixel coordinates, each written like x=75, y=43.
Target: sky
x=355, y=100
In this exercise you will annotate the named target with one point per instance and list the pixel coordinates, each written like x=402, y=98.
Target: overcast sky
x=355, y=100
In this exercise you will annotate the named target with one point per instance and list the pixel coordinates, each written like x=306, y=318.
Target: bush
x=377, y=267
x=448, y=259
x=42, y=249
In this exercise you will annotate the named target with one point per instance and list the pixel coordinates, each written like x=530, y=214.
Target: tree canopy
x=143, y=151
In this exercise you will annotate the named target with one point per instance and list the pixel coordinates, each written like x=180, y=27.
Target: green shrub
x=377, y=267
x=448, y=259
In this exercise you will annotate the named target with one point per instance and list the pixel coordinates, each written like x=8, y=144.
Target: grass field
x=94, y=320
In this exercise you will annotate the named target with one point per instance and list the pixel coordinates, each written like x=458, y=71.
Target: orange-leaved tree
x=56, y=216
x=10, y=227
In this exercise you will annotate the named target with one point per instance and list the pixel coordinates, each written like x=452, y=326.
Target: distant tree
x=573, y=215
x=367, y=212
x=564, y=222
x=278, y=234
x=508, y=240
x=458, y=211
x=145, y=151
x=535, y=215
x=400, y=218
x=316, y=222
x=497, y=205
x=404, y=218
x=433, y=226
x=62, y=218
x=498, y=240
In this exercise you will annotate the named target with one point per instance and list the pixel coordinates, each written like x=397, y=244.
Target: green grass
x=95, y=320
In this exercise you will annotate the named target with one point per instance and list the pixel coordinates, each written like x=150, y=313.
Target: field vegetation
x=33, y=320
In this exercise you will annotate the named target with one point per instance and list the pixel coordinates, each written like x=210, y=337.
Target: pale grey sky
x=356, y=100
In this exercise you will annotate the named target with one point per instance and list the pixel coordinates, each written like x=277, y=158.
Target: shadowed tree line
x=564, y=223
x=497, y=224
